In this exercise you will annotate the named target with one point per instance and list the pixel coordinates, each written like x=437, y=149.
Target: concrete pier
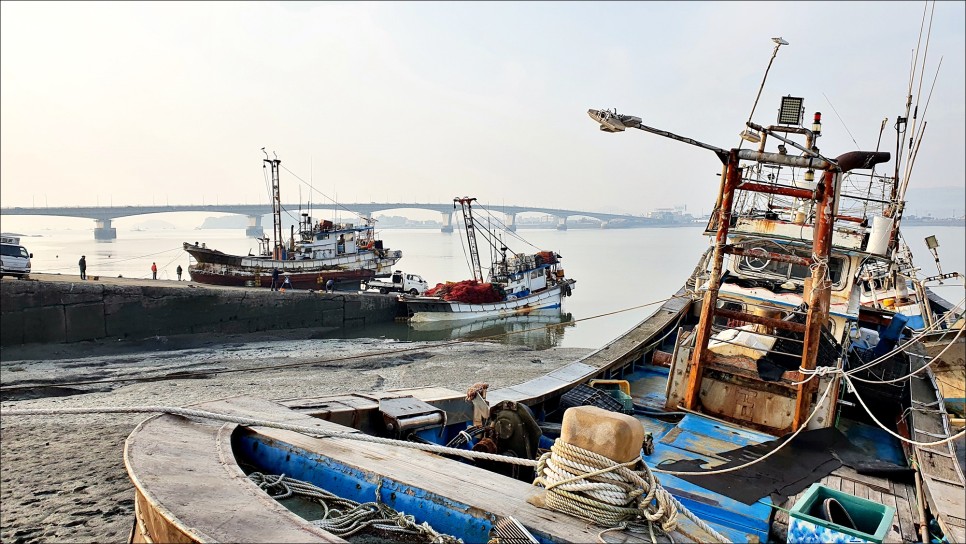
x=62, y=309
x=103, y=230
x=254, y=228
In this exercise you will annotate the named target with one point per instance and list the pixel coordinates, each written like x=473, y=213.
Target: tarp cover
x=811, y=456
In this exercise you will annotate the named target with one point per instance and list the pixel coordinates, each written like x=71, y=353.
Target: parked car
x=14, y=258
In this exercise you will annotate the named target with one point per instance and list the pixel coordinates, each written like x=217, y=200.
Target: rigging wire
x=395, y=351
x=327, y=197
x=836, y=112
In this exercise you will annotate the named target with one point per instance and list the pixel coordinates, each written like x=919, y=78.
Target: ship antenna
x=747, y=134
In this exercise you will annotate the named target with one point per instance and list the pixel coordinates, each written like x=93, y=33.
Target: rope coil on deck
x=344, y=517
x=590, y=486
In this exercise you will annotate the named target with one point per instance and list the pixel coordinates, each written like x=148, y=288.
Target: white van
x=14, y=259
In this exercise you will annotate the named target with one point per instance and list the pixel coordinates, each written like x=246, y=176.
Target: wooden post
x=703, y=330
x=818, y=301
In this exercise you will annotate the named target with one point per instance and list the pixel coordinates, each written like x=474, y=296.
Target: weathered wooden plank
x=875, y=482
x=906, y=511
x=832, y=481
x=186, y=489
x=848, y=486
x=861, y=490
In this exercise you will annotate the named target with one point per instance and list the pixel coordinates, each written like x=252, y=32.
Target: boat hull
x=429, y=310
x=216, y=268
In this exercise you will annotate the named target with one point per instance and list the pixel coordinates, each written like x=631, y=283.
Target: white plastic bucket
x=879, y=236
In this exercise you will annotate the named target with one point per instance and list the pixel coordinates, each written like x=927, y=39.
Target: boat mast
x=466, y=203
x=276, y=205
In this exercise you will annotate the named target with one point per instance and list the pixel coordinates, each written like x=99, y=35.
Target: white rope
x=821, y=371
x=915, y=372
x=311, y=431
x=962, y=433
x=249, y=422
x=343, y=517
x=760, y=459
x=590, y=486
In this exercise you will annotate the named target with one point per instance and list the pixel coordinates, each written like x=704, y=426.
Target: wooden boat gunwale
x=148, y=474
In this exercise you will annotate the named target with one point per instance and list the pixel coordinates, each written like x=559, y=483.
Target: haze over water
x=615, y=269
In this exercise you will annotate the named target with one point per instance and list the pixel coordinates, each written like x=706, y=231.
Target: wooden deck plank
x=943, y=481
x=832, y=481
x=906, y=511
x=848, y=486
x=874, y=482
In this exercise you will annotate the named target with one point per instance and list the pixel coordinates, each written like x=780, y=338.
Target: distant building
x=674, y=216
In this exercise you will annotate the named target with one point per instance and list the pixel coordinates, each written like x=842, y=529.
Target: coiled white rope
x=315, y=431
x=343, y=517
x=592, y=487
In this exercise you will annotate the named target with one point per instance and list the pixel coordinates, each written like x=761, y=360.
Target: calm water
x=615, y=269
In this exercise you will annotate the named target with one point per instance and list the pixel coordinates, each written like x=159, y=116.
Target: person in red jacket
x=154, y=271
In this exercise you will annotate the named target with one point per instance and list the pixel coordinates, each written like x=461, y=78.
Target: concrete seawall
x=63, y=309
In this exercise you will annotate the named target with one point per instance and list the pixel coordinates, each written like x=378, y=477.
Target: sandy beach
x=62, y=478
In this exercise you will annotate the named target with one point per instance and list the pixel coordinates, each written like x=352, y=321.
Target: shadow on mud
x=44, y=391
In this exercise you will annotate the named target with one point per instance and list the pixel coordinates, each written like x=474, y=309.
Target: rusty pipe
x=780, y=257
x=804, y=194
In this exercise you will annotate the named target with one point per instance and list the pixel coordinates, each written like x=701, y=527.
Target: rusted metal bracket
x=757, y=252
x=761, y=320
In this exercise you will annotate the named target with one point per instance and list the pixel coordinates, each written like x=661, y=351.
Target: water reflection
x=540, y=329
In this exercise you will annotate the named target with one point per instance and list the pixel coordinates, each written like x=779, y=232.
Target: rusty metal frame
x=703, y=330
x=781, y=257
x=761, y=320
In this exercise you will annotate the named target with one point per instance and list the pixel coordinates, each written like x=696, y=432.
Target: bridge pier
x=103, y=230
x=254, y=228
x=447, y=222
x=562, y=223
x=511, y=221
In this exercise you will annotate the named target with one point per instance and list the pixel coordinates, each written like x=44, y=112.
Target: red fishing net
x=468, y=291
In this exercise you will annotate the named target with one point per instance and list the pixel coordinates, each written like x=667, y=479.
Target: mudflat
x=62, y=478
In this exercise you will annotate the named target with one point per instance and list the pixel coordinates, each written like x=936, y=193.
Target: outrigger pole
x=466, y=203
x=276, y=205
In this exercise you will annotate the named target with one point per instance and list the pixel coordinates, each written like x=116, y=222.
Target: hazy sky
x=140, y=102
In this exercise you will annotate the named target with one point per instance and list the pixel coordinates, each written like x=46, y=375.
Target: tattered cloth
x=468, y=291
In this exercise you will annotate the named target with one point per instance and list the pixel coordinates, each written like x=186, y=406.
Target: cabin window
x=762, y=266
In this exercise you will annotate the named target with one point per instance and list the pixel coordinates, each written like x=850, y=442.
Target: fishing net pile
x=546, y=257
x=468, y=291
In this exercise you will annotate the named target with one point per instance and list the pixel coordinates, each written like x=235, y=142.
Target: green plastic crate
x=806, y=524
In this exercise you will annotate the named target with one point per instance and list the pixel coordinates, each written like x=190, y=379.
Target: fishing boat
x=320, y=251
x=517, y=284
x=740, y=410
x=539, y=329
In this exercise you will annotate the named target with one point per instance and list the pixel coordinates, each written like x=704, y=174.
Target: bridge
x=104, y=215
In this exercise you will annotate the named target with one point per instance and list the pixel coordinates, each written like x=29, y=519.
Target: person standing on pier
x=154, y=271
x=330, y=286
x=179, y=272
x=82, y=263
x=275, y=279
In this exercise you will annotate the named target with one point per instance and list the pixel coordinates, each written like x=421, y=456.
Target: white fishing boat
x=518, y=284
x=319, y=252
